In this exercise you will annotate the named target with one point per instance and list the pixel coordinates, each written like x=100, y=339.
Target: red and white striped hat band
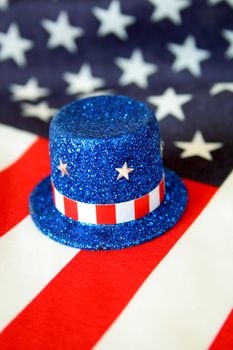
x=109, y=214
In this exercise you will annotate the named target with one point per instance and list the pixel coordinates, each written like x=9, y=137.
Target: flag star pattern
x=188, y=56
x=228, y=35
x=83, y=81
x=134, y=64
x=41, y=110
x=3, y=4
x=169, y=9
x=62, y=33
x=30, y=91
x=170, y=103
x=175, y=55
x=14, y=46
x=217, y=88
x=112, y=21
x=198, y=147
x=213, y=2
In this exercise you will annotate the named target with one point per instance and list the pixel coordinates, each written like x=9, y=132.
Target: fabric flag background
x=175, y=292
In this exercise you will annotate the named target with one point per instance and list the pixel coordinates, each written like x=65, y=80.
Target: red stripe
x=18, y=180
x=161, y=190
x=224, y=339
x=141, y=206
x=53, y=192
x=71, y=209
x=83, y=300
x=106, y=214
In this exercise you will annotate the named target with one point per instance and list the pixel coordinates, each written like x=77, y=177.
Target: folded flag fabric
x=174, y=292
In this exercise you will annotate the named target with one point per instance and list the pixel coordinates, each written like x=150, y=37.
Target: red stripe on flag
x=161, y=190
x=141, y=206
x=71, y=208
x=18, y=180
x=106, y=214
x=78, y=306
x=224, y=339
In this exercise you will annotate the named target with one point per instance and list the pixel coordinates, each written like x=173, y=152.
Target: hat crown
x=91, y=138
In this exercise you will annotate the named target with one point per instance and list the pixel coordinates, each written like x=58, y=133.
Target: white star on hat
x=14, y=46
x=170, y=103
x=198, y=147
x=135, y=69
x=62, y=167
x=83, y=81
x=31, y=91
x=169, y=9
x=124, y=171
x=62, y=33
x=113, y=21
x=188, y=56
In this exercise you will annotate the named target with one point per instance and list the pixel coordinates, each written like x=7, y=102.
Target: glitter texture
x=89, y=236
x=94, y=136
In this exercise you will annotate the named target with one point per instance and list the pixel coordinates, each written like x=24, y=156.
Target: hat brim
x=95, y=237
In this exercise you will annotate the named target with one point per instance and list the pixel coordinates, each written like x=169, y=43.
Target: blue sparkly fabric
x=95, y=237
x=94, y=136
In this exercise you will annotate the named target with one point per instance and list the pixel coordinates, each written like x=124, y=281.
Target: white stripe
x=29, y=261
x=87, y=212
x=186, y=299
x=125, y=212
x=154, y=199
x=59, y=200
x=13, y=143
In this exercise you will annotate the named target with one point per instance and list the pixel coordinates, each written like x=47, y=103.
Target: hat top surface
x=102, y=117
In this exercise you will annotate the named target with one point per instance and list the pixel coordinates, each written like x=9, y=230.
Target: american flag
x=175, y=292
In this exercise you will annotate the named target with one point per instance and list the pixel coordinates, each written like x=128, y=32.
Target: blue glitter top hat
x=108, y=188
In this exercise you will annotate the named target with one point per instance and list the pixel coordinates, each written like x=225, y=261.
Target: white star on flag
x=31, y=91
x=83, y=81
x=112, y=21
x=14, y=46
x=97, y=93
x=188, y=56
x=228, y=35
x=221, y=87
x=198, y=147
x=124, y=171
x=170, y=103
x=168, y=9
x=213, y=2
x=41, y=111
x=135, y=69
x=3, y=4
x=62, y=33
